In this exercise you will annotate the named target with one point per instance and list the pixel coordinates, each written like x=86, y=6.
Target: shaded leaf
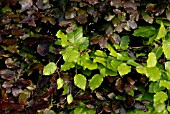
x=145, y=31
x=25, y=4
x=147, y=17
x=119, y=85
x=124, y=42
x=43, y=49
x=16, y=91
x=168, y=14
x=95, y=81
x=80, y=81
x=7, y=74
x=50, y=68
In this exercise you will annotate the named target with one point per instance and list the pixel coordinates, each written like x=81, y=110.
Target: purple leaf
x=7, y=74
x=43, y=49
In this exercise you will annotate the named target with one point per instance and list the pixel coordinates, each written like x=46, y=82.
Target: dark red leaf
x=18, y=32
x=42, y=5
x=16, y=91
x=40, y=105
x=119, y=85
x=127, y=88
x=115, y=38
x=115, y=106
x=4, y=94
x=25, y=4
x=11, y=64
x=92, y=2
x=130, y=80
x=9, y=2
x=140, y=106
x=16, y=106
x=122, y=110
x=32, y=23
x=9, y=42
x=7, y=84
x=43, y=49
x=83, y=97
x=7, y=74
x=106, y=107
x=4, y=105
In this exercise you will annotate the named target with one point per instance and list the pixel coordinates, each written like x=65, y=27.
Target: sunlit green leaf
x=141, y=69
x=158, y=52
x=63, y=37
x=167, y=66
x=165, y=83
x=153, y=73
x=100, y=53
x=60, y=83
x=160, y=108
x=50, y=68
x=145, y=31
x=160, y=97
x=162, y=32
x=166, y=49
x=66, y=89
x=124, y=69
x=80, y=81
x=67, y=66
x=151, y=61
x=95, y=81
x=100, y=60
x=76, y=38
x=69, y=98
x=112, y=51
x=71, y=55
x=47, y=111
x=114, y=64
x=133, y=63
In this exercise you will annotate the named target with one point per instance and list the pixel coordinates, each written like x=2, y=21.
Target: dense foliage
x=85, y=56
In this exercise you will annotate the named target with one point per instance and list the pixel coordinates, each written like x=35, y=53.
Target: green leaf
x=67, y=66
x=162, y=32
x=145, y=31
x=141, y=69
x=124, y=69
x=47, y=111
x=124, y=42
x=80, y=81
x=107, y=72
x=160, y=97
x=158, y=52
x=114, y=64
x=100, y=53
x=167, y=66
x=133, y=63
x=153, y=73
x=50, y=68
x=83, y=110
x=71, y=55
x=60, y=83
x=160, y=108
x=66, y=89
x=100, y=60
x=165, y=83
x=69, y=98
x=63, y=37
x=86, y=62
x=95, y=81
x=166, y=49
x=112, y=51
x=151, y=61
x=76, y=38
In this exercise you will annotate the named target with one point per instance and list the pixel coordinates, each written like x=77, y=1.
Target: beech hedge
x=84, y=56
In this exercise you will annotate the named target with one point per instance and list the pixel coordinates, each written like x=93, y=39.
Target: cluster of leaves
x=47, y=65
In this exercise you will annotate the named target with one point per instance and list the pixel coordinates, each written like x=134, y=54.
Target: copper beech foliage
x=27, y=44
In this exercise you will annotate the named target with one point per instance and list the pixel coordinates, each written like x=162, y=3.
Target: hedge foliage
x=84, y=56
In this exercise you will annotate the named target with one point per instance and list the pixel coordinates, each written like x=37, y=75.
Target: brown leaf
x=168, y=14
x=140, y=106
x=7, y=84
x=130, y=80
x=83, y=97
x=132, y=24
x=25, y=4
x=92, y=2
x=119, y=85
x=4, y=94
x=4, y=105
x=16, y=91
x=11, y=64
x=7, y=74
